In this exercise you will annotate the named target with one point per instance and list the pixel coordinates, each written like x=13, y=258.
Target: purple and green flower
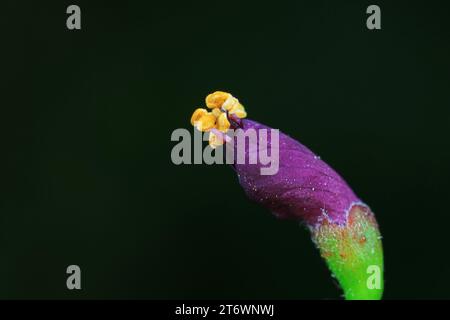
x=305, y=189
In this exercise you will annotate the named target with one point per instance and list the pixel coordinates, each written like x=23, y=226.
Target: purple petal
x=304, y=188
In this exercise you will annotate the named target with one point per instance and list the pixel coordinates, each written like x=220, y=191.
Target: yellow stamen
x=239, y=111
x=216, y=99
x=222, y=123
x=230, y=103
x=215, y=140
x=216, y=122
x=216, y=112
x=206, y=122
x=198, y=113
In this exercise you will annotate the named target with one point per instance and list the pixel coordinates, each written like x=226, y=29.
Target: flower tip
x=223, y=106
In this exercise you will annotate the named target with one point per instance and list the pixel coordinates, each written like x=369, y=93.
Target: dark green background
x=86, y=123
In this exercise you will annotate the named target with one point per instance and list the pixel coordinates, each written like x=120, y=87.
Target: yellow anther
x=222, y=123
x=230, y=103
x=198, y=113
x=216, y=122
x=206, y=122
x=234, y=107
x=239, y=111
x=216, y=112
x=216, y=99
x=215, y=140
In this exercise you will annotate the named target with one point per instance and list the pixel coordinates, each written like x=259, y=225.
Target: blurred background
x=87, y=117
